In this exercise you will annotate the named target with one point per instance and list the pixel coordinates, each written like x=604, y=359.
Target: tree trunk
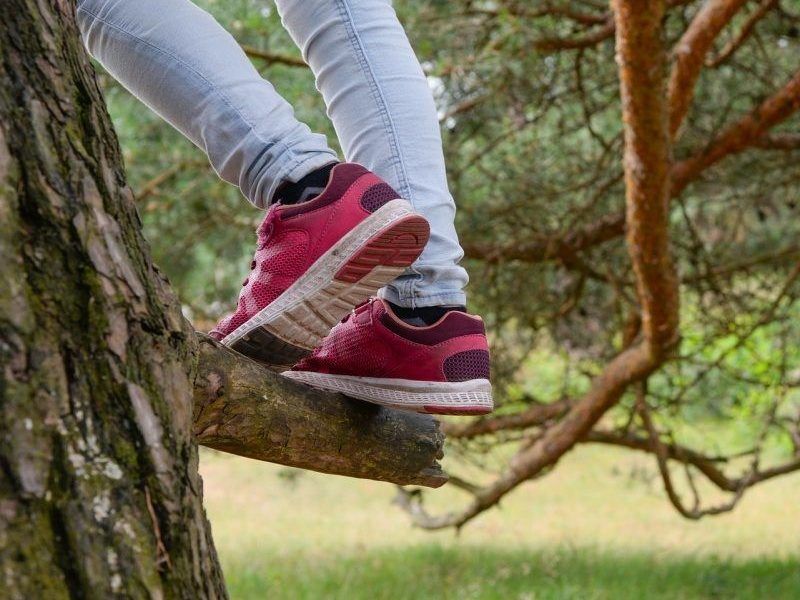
x=99, y=490
x=103, y=381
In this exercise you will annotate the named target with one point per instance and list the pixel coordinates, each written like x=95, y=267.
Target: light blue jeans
x=180, y=62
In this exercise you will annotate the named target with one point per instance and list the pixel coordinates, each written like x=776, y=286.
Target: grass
x=597, y=527
x=432, y=571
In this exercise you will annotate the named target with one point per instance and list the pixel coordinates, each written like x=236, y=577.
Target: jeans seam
x=357, y=46
x=403, y=295
x=277, y=142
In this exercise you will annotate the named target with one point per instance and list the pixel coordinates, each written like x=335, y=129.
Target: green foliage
x=533, y=140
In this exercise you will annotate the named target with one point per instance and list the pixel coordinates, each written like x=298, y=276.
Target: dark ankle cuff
x=306, y=188
x=423, y=315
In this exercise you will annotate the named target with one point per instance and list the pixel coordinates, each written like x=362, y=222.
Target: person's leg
x=385, y=117
x=180, y=62
x=418, y=351
x=316, y=259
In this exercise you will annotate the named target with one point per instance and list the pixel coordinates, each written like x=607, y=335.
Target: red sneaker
x=374, y=356
x=315, y=261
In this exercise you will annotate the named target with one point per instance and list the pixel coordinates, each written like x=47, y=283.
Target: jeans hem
x=421, y=298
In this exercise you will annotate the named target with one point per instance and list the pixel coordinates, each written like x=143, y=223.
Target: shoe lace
x=263, y=234
x=357, y=309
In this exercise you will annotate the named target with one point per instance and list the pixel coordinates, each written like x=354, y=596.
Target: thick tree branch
x=749, y=26
x=749, y=131
x=744, y=133
x=245, y=409
x=642, y=62
x=690, y=52
x=642, y=59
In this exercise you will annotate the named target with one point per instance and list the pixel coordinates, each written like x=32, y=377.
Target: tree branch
x=538, y=414
x=763, y=8
x=690, y=52
x=779, y=141
x=245, y=409
x=744, y=133
x=641, y=59
x=273, y=58
x=591, y=38
x=705, y=464
x=561, y=247
x=750, y=131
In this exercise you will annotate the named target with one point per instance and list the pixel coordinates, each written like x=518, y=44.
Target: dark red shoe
x=316, y=260
x=372, y=355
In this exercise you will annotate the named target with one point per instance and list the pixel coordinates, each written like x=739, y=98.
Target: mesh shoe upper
x=372, y=342
x=291, y=238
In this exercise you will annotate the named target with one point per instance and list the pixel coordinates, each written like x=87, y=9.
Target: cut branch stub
x=243, y=408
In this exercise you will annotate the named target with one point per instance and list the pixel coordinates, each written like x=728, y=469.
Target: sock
x=423, y=315
x=308, y=187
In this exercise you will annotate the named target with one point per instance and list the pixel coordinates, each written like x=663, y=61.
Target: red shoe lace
x=358, y=309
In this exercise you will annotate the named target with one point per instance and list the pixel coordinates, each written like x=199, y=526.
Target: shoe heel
x=398, y=245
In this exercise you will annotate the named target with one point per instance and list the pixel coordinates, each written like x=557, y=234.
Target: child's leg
x=385, y=118
x=320, y=252
x=180, y=62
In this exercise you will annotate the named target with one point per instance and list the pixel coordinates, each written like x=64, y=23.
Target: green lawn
x=597, y=527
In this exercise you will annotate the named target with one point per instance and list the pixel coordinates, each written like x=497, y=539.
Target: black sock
x=310, y=186
x=423, y=315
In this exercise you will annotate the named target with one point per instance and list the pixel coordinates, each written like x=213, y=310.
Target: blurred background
x=530, y=112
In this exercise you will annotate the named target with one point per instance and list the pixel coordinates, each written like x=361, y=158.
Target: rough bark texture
x=99, y=491
x=641, y=56
x=245, y=409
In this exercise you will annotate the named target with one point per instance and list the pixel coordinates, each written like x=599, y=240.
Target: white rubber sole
x=305, y=313
x=455, y=398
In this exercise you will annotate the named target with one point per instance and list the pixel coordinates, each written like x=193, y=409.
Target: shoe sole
x=473, y=397
x=371, y=255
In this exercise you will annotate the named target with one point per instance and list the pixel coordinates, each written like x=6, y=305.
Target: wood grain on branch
x=243, y=408
x=690, y=52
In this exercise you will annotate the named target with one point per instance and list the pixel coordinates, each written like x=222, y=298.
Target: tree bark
x=104, y=382
x=243, y=408
x=99, y=490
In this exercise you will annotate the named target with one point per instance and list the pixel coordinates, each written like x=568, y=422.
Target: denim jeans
x=180, y=62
